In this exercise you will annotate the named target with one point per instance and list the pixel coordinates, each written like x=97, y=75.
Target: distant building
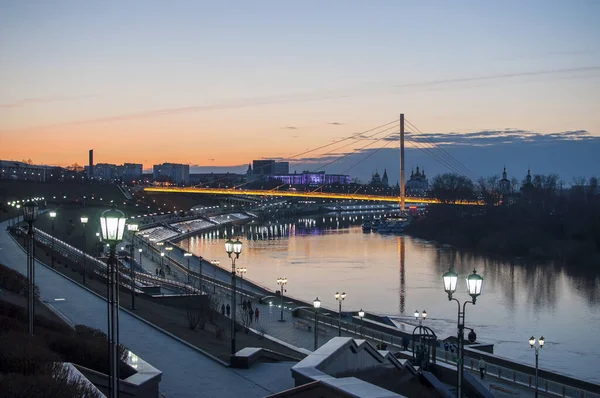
x=172, y=172
x=280, y=168
x=417, y=184
x=130, y=171
x=104, y=171
x=379, y=181
x=504, y=184
x=312, y=178
x=267, y=167
x=11, y=170
x=262, y=167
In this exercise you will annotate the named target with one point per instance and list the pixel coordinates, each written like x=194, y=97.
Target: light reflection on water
x=394, y=275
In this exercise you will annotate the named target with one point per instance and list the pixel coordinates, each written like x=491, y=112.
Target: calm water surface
x=394, y=275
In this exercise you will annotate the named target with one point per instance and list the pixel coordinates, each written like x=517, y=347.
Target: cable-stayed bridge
x=377, y=138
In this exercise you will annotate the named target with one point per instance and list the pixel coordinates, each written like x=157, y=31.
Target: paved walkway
x=186, y=372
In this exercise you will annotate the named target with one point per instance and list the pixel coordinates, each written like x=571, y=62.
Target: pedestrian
x=222, y=309
x=482, y=367
x=446, y=346
x=249, y=304
x=452, y=347
x=256, y=314
x=157, y=272
x=228, y=309
x=250, y=314
x=405, y=343
x=244, y=306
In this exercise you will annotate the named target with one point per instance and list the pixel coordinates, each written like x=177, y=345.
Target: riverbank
x=511, y=232
x=213, y=338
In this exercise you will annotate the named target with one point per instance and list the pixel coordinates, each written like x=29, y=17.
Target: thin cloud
x=33, y=101
x=336, y=123
x=494, y=137
x=304, y=97
x=290, y=128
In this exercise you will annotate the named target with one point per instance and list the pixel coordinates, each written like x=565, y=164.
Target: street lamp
x=133, y=228
x=282, y=282
x=112, y=225
x=30, y=211
x=537, y=347
x=162, y=255
x=420, y=316
x=361, y=315
x=474, y=286
x=340, y=297
x=84, y=221
x=233, y=250
x=241, y=271
x=188, y=255
x=168, y=249
x=316, y=305
x=52, y=217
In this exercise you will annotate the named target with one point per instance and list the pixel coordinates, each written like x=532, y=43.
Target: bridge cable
x=444, y=153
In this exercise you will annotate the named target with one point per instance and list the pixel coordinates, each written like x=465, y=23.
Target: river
x=396, y=275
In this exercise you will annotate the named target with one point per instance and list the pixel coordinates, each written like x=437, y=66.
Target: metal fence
x=518, y=378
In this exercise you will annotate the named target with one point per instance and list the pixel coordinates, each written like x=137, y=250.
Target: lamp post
x=18, y=206
x=188, y=255
x=84, y=221
x=361, y=315
x=233, y=250
x=537, y=348
x=162, y=255
x=133, y=228
x=316, y=305
x=52, y=217
x=420, y=316
x=100, y=248
x=30, y=210
x=282, y=282
x=112, y=225
x=340, y=297
x=241, y=271
x=474, y=285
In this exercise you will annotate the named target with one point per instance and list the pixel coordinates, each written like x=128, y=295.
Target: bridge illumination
x=295, y=194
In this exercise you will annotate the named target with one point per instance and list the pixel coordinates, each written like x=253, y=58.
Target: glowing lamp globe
x=450, y=281
x=474, y=285
x=112, y=225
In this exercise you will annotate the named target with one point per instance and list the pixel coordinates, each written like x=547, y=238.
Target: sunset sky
x=219, y=83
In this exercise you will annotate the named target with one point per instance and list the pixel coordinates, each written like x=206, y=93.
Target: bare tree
x=197, y=309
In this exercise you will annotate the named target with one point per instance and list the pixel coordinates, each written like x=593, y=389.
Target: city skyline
x=198, y=84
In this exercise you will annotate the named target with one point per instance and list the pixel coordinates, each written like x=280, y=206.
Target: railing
x=518, y=378
x=99, y=267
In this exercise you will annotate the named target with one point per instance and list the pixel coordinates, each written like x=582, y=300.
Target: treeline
x=537, y=219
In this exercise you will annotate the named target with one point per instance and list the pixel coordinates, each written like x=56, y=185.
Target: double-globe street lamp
x=233, y=250
x=474, y=286
x=282, y=282
x=112, y=225
x=84, y=221
x=420, y=316
x=539, y=346
x=30, y=211
x=52, y=217
x=316, y=305
x=340, y=297
x=133, y=228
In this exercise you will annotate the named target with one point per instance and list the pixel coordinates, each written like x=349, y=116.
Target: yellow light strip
x=296, y=194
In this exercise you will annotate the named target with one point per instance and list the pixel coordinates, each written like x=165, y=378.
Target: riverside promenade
x=186, y=372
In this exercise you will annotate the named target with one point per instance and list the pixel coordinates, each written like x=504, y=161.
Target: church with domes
x=417, y=185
